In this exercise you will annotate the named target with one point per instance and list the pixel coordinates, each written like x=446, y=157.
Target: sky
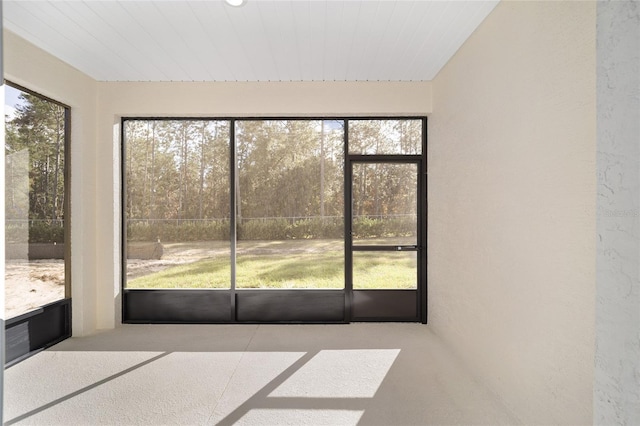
x=11, y=100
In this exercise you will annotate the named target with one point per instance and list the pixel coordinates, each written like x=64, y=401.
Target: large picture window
x=36, y=202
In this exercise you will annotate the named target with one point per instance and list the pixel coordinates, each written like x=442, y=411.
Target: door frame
x=392, y=305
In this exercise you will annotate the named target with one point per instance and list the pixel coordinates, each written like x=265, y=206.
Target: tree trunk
x=183, y=172
x=47, y=185
x=143, y=196
x=152, y=191
x=238, y=198
x=59, y=140
x=322, y=169
x=201, y=191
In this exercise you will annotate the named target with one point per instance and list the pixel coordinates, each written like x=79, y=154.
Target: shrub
x=178, y=231
x=268, y=229
x=257, y=229
x=366, y=227
x=46, y=232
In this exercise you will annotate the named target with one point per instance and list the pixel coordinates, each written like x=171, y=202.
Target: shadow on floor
x=398, y=374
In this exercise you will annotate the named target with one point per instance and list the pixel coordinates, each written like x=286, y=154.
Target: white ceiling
x=264, y=40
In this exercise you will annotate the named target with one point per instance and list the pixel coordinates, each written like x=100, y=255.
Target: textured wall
x=512, y=143
x=617, y=359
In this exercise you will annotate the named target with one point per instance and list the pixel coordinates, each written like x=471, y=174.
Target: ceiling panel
x=263, y=40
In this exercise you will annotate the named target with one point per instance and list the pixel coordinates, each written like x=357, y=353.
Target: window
x=290, y=204
x=36, y=201
x=274, y=220
x=177, y=204
x=379, y=137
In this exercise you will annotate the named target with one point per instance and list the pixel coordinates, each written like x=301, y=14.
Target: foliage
x=177, y=169
x=34, y=150
x=283, y=229
x=289, y=180
x=385, y=137
x=37, y=231
x=366, y=227
x=46, y=232
x=289, y=168
x=321, y=228
x=178, y=231
x=274, y=229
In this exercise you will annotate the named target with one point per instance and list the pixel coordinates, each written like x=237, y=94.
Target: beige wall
x=36, y=70
x=249, y=99
x=289, y=99
x=512, y=207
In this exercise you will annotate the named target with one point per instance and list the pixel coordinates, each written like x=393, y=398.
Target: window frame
x=145, y=296
x=51, y=323
x=67, y=181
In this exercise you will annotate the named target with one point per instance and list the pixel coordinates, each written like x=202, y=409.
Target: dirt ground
x=176, y=254
x=29, y=285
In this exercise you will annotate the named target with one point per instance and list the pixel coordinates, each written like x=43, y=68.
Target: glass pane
x=385, y=270
x=34, y=202
x=290, y=208
x=177, y=208
x=385, y=203
x=379, y=137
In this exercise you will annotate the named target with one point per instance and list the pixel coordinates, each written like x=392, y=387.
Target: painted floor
x=367, y=374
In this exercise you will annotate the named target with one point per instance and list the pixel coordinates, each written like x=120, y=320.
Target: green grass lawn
x=299, y=270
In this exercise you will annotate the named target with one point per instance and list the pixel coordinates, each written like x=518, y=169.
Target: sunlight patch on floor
x=340, y=374
x=301, y=417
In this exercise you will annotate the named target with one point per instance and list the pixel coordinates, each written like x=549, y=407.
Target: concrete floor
x=386, y=374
